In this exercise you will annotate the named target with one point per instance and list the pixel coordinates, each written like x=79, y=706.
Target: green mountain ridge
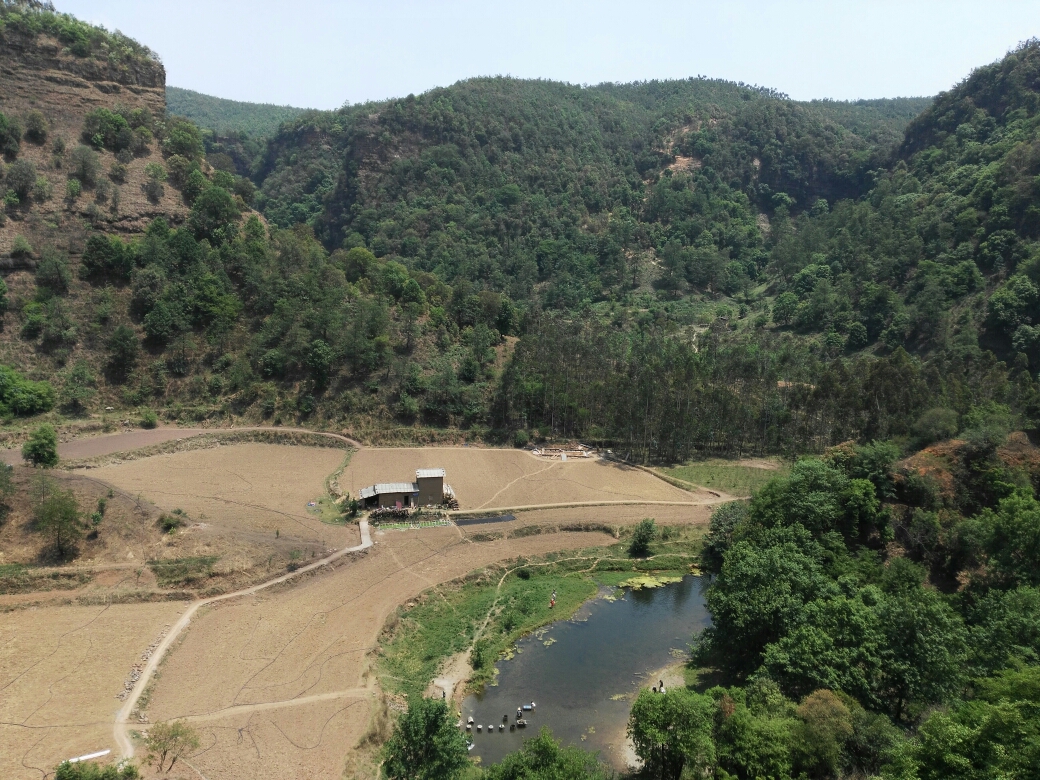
x=225, y=116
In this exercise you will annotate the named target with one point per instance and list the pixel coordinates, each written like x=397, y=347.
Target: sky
x=324, y=53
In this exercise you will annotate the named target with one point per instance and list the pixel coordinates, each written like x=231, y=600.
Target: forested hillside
x=670, y=268
x=224, y=116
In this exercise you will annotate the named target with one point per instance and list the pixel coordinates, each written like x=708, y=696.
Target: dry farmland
x=284, y=690
x=279, y=683
x=248, y=491
x=491, y=478
x=60, y=671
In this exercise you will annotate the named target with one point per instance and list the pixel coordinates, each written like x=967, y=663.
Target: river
x=582, y=674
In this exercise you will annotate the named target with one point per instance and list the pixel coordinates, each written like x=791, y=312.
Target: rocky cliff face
x=39, y=73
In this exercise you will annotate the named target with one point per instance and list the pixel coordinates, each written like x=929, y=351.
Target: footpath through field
x=111, y=443
x=121, y=730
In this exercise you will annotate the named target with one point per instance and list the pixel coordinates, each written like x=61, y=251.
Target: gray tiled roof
x=426, y=473
x=389, y=487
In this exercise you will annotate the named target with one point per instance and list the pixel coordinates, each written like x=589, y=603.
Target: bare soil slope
x=490, y=478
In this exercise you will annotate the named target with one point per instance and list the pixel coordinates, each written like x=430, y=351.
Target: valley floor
x=280, y=682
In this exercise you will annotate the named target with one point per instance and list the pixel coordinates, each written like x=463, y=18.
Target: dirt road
x=120, y=732
x=96, y=446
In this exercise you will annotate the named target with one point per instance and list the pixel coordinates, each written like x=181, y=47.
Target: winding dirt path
x=121, y=729
x=111, y=443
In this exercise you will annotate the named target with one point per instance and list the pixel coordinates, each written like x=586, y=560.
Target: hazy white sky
x=321, y=53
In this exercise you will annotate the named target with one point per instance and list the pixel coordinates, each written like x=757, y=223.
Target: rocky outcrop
x=37, y=72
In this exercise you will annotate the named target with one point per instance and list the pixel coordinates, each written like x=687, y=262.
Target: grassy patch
x=16, y=578
x=477, y=616
x=182, y=571
x=725, y=475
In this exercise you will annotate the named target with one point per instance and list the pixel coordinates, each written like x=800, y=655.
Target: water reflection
x=583, y=673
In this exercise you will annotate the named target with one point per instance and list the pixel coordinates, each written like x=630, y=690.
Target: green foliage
x=104, y=129
x=224, y=116
x=672, y=732
x=149, y=419
x=425, y=744
x=214, y=216
x=171, y=572
x=644, y=533
x=123, y=348
x=80, y=38
x=10, y=136
x=36, y=127
x=52, y=272
x=171, y=740
x=21, y=177
x=84, y=165
x=23, y=397
x=544, y=758
x=41, y=449
x=21, y=247
x=88, y=770
x=56, y=514
x=106, y=257
x=182, y=138
x=78, y=389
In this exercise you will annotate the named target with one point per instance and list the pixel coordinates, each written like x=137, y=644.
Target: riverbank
x=449, y=638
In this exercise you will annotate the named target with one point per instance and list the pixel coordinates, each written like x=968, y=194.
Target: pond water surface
x=583, y=673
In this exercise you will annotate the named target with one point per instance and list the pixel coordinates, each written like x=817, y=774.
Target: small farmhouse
x=427, y=490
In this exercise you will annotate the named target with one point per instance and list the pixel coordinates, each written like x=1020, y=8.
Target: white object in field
x=563, y=456
x=89, y=756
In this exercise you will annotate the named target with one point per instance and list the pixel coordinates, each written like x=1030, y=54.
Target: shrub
x=10, y=136
x=42, y=447
x=214, y=216
x=84, y=165
x=73, y=189
x=21, y=177
x=42, y=190
x=78, y=389
x=170, y=523
x=106, y=257
x=91, y=771
x=194, y=186
x=52, y=272
x=21, y=247
x=156, y=176
x=33, y=320
x=118, y=172
x=122, y=352
x=22, y=396
x=104, y=129
x=643, y=534
x=141, y=141
x=149, y=419
x=36, y=127
x=521, y=439
x=180, y=168
x=58, y=145
x=183, y=138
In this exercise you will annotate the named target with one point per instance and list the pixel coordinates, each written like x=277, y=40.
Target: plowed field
x=490, y=478
x=60, y=671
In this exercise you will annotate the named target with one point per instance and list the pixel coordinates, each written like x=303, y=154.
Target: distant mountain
x=226, y=116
